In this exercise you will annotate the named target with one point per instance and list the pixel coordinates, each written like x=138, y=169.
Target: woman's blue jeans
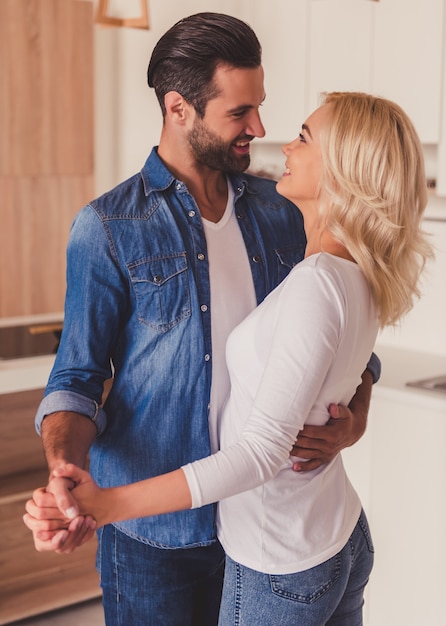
x=147, y=586
x=331, y=594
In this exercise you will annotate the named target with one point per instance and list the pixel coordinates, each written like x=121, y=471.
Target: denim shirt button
x=256, y=258
x=200, y=256
x=191, y=213
x=204, y=308
x=239, y=216
x=157, y=279
x=207, y=357
x=179, y=186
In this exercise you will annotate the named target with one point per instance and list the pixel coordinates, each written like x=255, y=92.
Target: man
x=159, y=271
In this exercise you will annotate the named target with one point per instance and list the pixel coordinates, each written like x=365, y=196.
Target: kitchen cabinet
x=46, y=151
x=385, y=47
x=339, y=47
x=31, y=582
x=281, y=29
x=399, y=471
x=441, y=154
x=407, y=60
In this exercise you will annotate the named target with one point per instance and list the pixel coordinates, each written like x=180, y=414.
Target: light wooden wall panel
x=37, y=213
x=46, y=121
x=46, y=147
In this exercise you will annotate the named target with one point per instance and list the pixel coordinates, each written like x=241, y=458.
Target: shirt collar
x=156, y=177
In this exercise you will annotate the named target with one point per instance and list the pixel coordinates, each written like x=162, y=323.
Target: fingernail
x=61, y=537
x=71, y=512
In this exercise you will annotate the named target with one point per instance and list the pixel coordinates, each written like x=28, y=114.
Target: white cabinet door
x=391, y=48
x=407, y=60
x=281, y=29
x=441, y=165
x=405, y=502
x=339, y=47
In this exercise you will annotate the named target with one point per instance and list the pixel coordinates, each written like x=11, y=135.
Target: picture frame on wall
x=104, y=18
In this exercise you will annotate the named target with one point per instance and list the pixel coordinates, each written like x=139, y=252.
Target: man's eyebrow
x=240, y=108
x=306, y=128
x=244, y=107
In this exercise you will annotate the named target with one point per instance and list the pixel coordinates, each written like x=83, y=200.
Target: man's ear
x=177, y=108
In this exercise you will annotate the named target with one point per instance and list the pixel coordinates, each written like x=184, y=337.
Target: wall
x=128, y=123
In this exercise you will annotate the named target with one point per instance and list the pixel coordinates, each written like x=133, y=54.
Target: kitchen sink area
x=436, y=383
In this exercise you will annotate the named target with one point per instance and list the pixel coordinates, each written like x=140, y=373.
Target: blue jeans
x=330, y=594
x=147, y=586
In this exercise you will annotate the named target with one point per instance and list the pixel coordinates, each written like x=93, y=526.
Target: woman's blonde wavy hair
x=376, y=187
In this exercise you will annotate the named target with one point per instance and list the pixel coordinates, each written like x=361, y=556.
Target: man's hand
x=52, y=516
x=318, y=445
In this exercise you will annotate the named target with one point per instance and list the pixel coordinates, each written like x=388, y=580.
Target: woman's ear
x=176, y=107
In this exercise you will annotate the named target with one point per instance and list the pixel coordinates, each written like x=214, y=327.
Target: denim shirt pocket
x=161, y=288
x=288, y=257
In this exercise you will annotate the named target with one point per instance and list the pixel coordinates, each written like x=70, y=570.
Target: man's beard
x=210, y=150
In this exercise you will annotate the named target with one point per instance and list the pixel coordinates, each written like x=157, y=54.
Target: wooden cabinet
x=46, y=175
x=399, y=471
x=32, y=582
x=46, y=151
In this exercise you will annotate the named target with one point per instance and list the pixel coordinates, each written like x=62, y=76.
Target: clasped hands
x=54, y=515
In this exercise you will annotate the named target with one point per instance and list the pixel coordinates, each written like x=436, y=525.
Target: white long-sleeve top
x=304, y=347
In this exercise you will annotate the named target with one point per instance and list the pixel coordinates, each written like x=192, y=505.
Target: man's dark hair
x=187, y=55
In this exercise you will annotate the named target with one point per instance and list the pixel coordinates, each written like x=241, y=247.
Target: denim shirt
x=138, y=307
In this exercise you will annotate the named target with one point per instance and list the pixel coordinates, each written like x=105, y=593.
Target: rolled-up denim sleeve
x=73, y=402
x=374, y=367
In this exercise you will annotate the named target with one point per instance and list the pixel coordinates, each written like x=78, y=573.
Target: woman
x=298, y=545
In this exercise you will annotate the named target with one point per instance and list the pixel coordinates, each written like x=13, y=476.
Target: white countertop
x=24, y=374
x=402, y=366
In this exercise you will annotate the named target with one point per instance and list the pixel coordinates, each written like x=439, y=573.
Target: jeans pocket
x=307, y=586
x=161, y=289
x=364, y=525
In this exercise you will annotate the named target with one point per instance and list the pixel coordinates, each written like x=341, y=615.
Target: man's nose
x=255, y=126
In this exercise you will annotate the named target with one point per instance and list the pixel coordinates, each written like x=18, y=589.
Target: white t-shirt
x=232, y=299
x=305, y=346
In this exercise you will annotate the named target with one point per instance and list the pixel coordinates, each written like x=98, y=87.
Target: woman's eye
x=302, y=138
